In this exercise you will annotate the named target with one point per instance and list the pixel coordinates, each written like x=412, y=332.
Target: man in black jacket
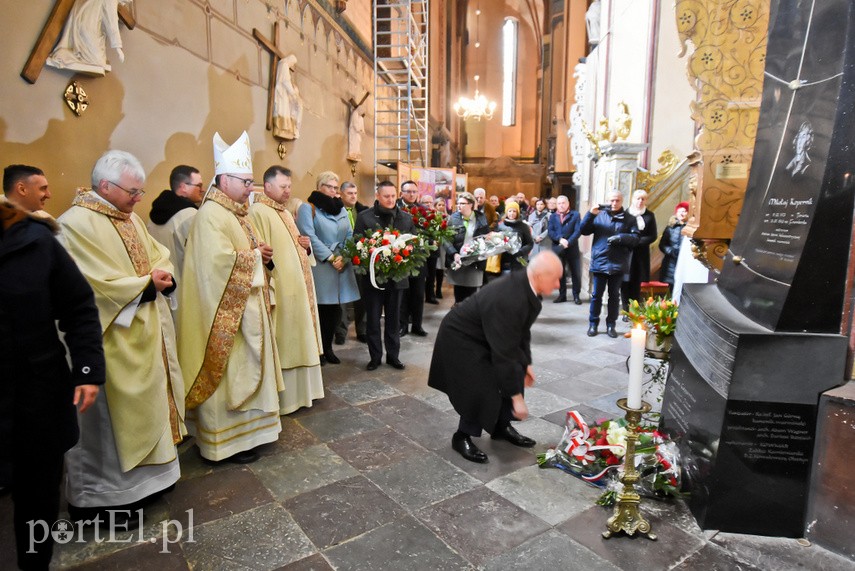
x=482, y=356
x=384, y=214
x=413, y=298
x=40, y=285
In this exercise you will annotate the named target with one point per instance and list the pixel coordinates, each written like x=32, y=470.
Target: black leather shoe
x=372, y=365
x=592, y=331
x=331, y=358
x=396, y=363
x=439, y=295
x=577, y=301
x=403, y=332
x=510, y=434
x=323, y=360
x=432, y=301
x=339, y=340
x=560, y=299
x=464, y=445
x=419, y=332
x=362, y=338
x=245, y=457
x=610, y=331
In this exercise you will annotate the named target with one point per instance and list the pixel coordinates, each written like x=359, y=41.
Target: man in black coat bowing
x=482, y=355
x=384, y=214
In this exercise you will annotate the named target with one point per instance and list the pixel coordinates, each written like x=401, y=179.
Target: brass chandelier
x=477, y=107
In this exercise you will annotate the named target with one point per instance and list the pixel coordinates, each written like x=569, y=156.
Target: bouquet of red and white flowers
x=386, y=254
x=482, y=247
x=432, y=225
x=595, y=455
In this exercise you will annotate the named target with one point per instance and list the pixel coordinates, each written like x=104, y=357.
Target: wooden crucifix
x=275, y=56
x=50, y=34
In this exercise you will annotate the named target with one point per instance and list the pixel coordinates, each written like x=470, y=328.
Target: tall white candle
x=636, y=365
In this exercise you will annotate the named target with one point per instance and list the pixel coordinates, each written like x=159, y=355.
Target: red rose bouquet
x=432, y=225
x=386, y=254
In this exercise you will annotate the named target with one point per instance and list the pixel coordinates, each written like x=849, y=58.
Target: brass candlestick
x=627, y=518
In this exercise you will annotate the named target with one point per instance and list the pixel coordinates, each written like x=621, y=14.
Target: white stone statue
x=83, y=45
x=287, y=103
x=355, y=130
x=592, y=22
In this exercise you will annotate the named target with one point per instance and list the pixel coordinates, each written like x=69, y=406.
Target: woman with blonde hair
x=324, y=220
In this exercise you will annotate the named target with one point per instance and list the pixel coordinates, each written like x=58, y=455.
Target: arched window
x=510, y=33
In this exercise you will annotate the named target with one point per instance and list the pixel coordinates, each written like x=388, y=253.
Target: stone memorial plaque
x=787, y=261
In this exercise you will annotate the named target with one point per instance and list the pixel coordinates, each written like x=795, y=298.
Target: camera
x=605, y=207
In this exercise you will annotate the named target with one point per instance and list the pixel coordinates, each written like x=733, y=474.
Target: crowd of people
x=216, y=317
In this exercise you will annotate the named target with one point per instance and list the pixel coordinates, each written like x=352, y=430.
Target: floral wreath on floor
x=386, y=254
x=595, y=455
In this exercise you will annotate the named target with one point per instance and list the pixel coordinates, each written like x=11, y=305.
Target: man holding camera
x=615, y=234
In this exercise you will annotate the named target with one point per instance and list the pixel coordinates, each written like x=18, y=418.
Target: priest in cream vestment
x=126, y=451
x=225, y=336
x=295, y=313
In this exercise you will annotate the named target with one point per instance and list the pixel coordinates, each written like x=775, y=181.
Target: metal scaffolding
x=400, y=84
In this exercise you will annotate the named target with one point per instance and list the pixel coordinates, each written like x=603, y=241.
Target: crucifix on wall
x=96, y=16
x=284, y=104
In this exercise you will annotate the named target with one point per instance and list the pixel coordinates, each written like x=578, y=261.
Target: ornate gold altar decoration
x=726, y=68
x=76, y=98
x=668, y=162
x=617, y=129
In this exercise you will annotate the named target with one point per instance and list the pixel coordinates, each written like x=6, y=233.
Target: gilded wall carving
x=726, y=68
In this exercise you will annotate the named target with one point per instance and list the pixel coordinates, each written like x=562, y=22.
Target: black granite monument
x=754, y=352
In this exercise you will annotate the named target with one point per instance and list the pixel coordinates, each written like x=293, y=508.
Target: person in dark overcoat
x=482, y=356
x=40, y=285
x=639, y=260
x=615, y=235
x=513, y=223
x=670, y=242
x=564, y=228
x=384, y=214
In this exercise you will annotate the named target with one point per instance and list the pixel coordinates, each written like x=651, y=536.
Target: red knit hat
x=681, y=205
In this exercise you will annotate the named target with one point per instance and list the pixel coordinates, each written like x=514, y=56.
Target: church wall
x=671, y=124
x=191, y=68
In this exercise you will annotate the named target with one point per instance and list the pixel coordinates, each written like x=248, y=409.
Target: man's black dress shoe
x=331, y=358
x=559, y=299
x=403, y=332
x=393, y=362
x=339, y=340
x=245, y=457
x=610, y=331
x=432, y=301
x=464, y=445
x=419, y=332
x=592, y=331
x=510, y=434
x=439, y=295
x=323, y=360
x=372, y=365
x=362, y=338
x=577, y=301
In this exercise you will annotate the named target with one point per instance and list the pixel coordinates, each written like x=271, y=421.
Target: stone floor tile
x=713, y=558
x=361, y=392
x=418, y=421
x=481, y=525
x=326, y=404
x=422, y=480
x=671, y=547
x=224, y=492
x=576, y=390
x=597, y=357
x=545, y=433
x=781, y=553
x=541, y=402
x=504, y=458
x=192, y=465
x=263, y=538
x=589, y=414
x=557, y=369
x=293, y=437
x=550, y=550
x=316, y=562
x=290, y=474
x=141, y=557
x=337, y=512
x=341, y=423
x=434, y=398
x=404, y=544
x=608, y=403
x=93, y=544
x=548, y=493
x=376, y=449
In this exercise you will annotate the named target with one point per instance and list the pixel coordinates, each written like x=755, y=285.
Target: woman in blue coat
x=615, y=235
x=324, y=220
